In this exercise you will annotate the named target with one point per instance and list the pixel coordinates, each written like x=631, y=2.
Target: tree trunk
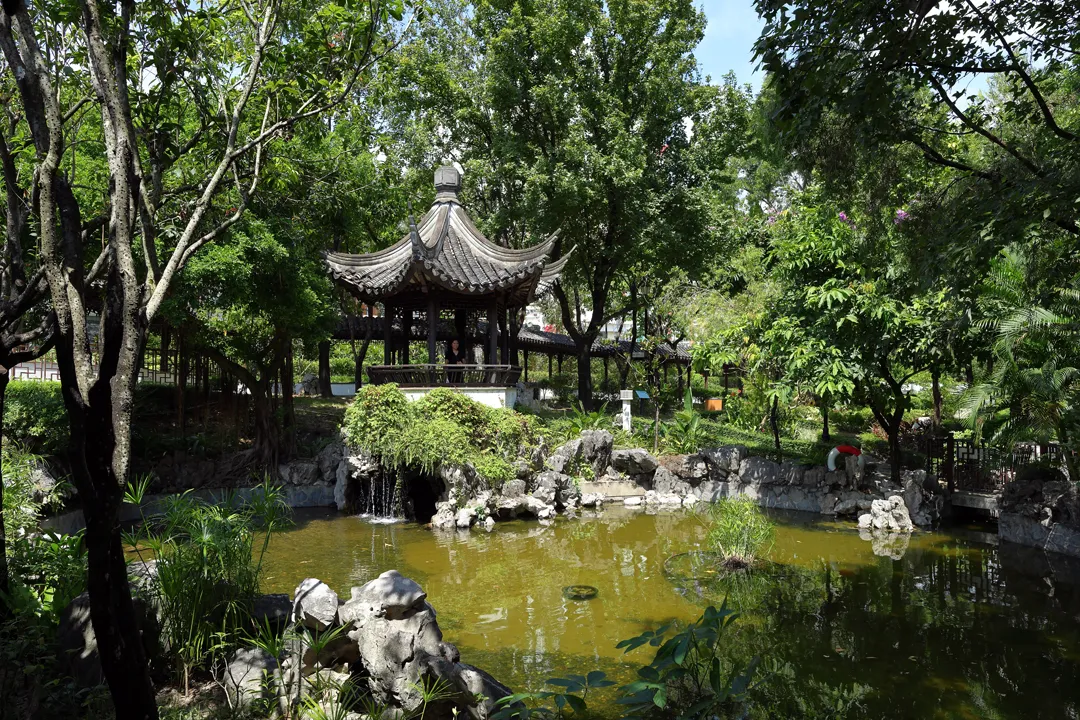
x=584, y=373
x=774, y=422
x=112, y=611
x=325, y=388
x=265, y=442
x=5, y=585
x=825, y=435
x=288, y=412
x=935, y=377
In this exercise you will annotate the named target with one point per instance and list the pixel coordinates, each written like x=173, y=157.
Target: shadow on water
x=951, y=628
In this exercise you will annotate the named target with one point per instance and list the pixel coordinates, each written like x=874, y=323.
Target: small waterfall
x=380, y=499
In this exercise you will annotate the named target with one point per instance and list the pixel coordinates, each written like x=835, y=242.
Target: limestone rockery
x=587, y=472
x=385, y=650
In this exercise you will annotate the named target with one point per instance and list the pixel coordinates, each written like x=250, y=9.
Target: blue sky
x=733, y=28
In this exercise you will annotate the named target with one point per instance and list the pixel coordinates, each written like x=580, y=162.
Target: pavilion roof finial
x=447, y=183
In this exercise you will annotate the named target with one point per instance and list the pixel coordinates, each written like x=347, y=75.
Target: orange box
x=714, y=404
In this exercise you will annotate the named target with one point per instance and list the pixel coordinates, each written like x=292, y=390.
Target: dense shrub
x=443, y=427
x=34, y=416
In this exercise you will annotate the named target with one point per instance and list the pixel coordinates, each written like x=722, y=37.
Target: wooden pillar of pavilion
x=461, y=321
x=433, y=322
x=388, y=334
x=504, y=337
x=525, y=355
x=492, y=354
x=549, y=365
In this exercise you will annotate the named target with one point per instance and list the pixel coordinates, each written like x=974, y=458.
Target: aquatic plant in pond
x=738, y=531
x=209, y=559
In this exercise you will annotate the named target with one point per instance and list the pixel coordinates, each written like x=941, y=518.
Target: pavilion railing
x=448, y=375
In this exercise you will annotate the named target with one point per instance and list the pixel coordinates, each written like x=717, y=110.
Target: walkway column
x=525, y=354
x=504, y=331
x=493, y=333
x=388, y=334
x=433, y=321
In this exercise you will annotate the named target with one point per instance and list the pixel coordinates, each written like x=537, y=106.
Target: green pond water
x=953, y=628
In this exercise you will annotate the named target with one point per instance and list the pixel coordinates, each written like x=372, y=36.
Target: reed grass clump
x=739, y=532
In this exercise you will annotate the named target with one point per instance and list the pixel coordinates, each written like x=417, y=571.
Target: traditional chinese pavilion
x=445, y=281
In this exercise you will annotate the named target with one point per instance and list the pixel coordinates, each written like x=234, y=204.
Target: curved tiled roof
x=446, y=250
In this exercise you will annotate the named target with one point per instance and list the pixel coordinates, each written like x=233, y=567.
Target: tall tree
x=26, y=325
x=189, y=98
x=575, y=115
x=897, y=74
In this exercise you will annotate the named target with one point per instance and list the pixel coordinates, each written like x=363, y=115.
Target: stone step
x=613, y=488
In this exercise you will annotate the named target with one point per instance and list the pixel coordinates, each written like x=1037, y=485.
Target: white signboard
x=627, y=397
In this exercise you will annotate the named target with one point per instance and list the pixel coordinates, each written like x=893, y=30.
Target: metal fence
x=155, y=368
x=976, y=467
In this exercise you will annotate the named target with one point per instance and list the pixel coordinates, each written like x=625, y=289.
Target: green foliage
x=581, y=420
x=443, y=427
x=570, y=698
x=47, y=570
x=209, y=557
x=739, y=531
x=686, y=432
x=375, y=419
x=1033, y=390
x=690, y=675
x=35, y=416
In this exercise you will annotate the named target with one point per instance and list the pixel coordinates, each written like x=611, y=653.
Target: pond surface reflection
x=946, y=627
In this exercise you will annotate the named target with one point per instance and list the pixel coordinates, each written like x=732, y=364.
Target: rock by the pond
x=890, y=515
x=465, y=517
x=489, y=523
x=596, y=448
x=691, y=468
x=759, y=471
x=445, y=518
x=482, y=685
x=565, y=455
x=726, y=459
x=665, y=482
x=922, y=497
x=391, y=595
x=272, y=610
x=400, y=651
x=249, y=676
x=633, y=462
x=315, y=605
x=590, y=500
x=633, y=501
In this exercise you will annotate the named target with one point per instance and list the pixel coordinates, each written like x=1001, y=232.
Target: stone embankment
x=587, y=472
x=1040, y=508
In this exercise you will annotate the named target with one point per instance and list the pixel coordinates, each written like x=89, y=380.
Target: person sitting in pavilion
x=455, y=355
